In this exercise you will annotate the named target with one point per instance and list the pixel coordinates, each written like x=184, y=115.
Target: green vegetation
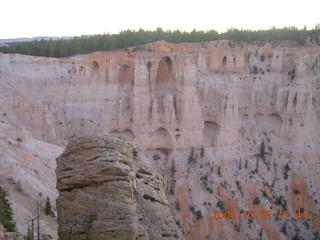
x=19, y=140
x=199, y=214
x=129, y=38
x=284, y=229
x=281, y=201
x=6, y=215
x=296, y=191
x=204, y=180
x=296, y=237
x=2, y=228
x=256, y=201
x=219, y=171
x=238, y=185
x=262, y=151
x=18, y=186
x=30, y=235
x=173, y=168
x=192, y=157
x=192, y=209
x=46, y=237
x=177, y=205
x=286, y=170
x=164, y=151
x=221, y=205
x=202, y=151
x=156, y=156
x=264, y=194
x=178, y=223
x=48, y=210
x=260, y=233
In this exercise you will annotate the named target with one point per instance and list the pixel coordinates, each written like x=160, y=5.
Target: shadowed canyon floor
x=227, y=125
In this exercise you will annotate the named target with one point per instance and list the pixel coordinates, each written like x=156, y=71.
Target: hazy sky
x=29, y=18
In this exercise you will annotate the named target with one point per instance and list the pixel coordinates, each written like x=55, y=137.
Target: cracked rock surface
x=106, y=192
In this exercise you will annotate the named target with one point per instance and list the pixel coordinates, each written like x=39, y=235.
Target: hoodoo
x=106, y=192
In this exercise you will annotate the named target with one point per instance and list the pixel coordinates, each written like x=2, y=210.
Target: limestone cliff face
x=106, y=192
x=199, y=112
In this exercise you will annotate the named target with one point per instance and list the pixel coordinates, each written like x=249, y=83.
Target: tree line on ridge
x=128, y=38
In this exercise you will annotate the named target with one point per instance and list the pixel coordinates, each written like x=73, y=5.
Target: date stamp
x=264, y=214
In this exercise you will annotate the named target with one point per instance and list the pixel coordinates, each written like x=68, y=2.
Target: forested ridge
x=128, y=38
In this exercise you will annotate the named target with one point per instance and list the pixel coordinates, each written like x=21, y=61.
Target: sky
x=31, y=18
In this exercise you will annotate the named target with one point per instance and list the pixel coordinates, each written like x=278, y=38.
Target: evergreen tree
x=48, y=209
x=30, y=235
x=219, y=171
x=129, y=38
x=6, y=214
x=262, y=151
x=202, y=151
x=192, y=157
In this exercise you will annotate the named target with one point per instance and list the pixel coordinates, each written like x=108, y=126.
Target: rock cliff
x=222, y=122
x=10, y=236
x=106, y=192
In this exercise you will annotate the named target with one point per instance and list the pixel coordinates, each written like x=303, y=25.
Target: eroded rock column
x=106, y=192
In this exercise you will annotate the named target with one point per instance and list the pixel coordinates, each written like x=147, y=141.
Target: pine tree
x=30, y=235
x=6, y=214
x=219, y=171
x=48, y=209
x=262, y=151
x=192, y=157
x=202, y=151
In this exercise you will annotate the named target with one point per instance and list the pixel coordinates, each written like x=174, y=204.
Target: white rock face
x=223, y=97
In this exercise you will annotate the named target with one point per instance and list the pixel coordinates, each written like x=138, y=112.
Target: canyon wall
x=222, y=122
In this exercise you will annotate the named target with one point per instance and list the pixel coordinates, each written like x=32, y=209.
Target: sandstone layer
x=199, y=112
x=106, y=192
x=10, y=236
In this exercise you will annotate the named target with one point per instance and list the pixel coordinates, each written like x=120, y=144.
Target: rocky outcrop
x=10, y=236
x=106, y=192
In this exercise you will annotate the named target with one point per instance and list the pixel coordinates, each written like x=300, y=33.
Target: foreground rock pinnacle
x=106, y=192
